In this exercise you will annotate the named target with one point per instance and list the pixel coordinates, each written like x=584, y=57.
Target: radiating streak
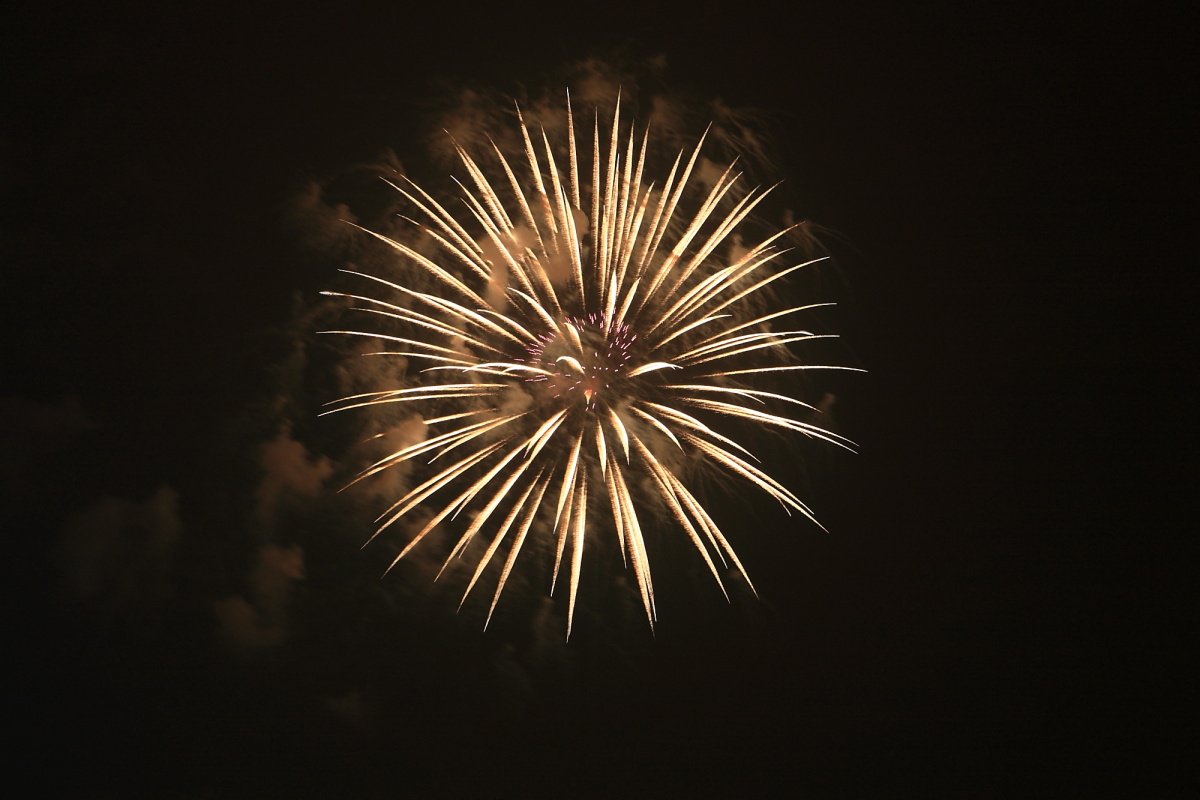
x=430, y=266
x=499, y=537
x=756, y=287
x=565, y=491
x=634, y=541
x=689, y=356
x=460, y=361
x=426, y=394
x=500, y=368
x=501, y=231
x=691, y=423
x=400, y=339
x=486, y=192
x=467, y=315
x=530, y=512
x=657, y=226
x=614, y=501
x=610, y=304
x=484, y=514
x=629, y=295
x=713, y=530
x=608, y=205
x=463, y=499
x=448, y=417
x=538, y=309
x=519, y=193
x=757, y=321
x=718, y=192
x=614, y=419
x=691, y=325
x=417, y=495
x=765, y=341
x=755, y=475
x=667, y=492
x=448, y=440
x=497, y=237
x=405, y=315
x=555, y=206
x=562, y=527
x=534, y=171
x=439, y=480
x=456, y=240
x=507, y=320
x=572, y=245
x=597, y=197
x=423, y=319
x=668, y=211
x=636, y=208
x=734, y=218
x=696, y=300
x=653, y=366
x=572, y=154
x=770, y=419
x=751, y=393
x=543, y=434
x=655, y=422
x=432, y=324
x=601, y=448
x=418, y=389
x=783, y=368
x=473, y=369
x=577, y=549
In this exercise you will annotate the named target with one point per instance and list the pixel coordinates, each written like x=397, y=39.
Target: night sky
x=998, y=607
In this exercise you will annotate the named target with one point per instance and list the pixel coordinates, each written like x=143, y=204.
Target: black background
x=1001, y=604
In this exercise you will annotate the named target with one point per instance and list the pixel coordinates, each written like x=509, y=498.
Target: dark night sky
x=997, y=608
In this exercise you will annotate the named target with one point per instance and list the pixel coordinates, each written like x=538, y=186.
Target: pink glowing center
x=582, y=361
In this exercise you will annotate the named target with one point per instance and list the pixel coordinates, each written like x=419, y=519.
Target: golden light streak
x=531, y=510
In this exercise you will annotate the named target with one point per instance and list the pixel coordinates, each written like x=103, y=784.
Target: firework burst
x=581, y=346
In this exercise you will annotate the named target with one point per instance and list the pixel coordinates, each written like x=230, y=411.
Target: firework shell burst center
x=621, y=323
x=589, y=365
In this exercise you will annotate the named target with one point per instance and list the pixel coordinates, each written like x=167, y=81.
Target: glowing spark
x=618, y=300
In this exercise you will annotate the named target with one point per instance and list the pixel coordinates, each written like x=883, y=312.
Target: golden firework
x=589, y=336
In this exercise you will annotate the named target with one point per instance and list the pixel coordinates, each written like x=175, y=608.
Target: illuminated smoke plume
x=578, y=336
